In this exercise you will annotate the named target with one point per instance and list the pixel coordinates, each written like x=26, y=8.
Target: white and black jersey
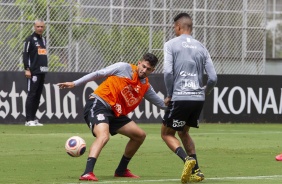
x=185, y=61
x=35, y=54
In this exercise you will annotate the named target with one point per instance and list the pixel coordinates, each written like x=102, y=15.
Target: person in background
x=36, y=66
x=107, y=107
x=185, y=61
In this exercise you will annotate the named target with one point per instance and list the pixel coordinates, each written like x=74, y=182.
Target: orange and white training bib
x=123, y=94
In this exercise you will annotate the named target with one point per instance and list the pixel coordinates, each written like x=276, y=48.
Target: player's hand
x=66, y=85
x=167, y=100
x=206, y=92
x=27, y=74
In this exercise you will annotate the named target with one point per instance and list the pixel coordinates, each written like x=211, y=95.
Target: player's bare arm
x=167, y=100
x=66, y=85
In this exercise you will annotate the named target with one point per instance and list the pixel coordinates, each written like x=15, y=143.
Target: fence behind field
x=86, y=35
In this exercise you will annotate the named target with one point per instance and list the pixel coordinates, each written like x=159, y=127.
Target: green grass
x=227, y=153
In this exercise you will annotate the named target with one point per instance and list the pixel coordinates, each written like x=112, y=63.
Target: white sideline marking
x=192, y=133
x=167, y=180
x=246, y=177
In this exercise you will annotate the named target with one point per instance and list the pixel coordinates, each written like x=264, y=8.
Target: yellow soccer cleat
x=197, y=176
x=187, y=170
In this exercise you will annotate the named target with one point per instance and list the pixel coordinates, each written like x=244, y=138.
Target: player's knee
x=141, y=136
x=104, y=138
x=165, y=137
x=183, y=133
x=166, y=133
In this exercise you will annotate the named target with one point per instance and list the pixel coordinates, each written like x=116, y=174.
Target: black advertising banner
x=245, y=98
x=236, y=98
x=65, y=105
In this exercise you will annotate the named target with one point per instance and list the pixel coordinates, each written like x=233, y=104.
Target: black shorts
x=96, y=112
x=183, y=113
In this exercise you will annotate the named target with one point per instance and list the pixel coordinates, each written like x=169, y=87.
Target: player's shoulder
x=199, y=44
x=171, y=41
x=28, y=38
x=122, y=64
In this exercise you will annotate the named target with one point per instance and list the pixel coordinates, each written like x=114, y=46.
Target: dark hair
x=184, y=21
x=180, y=15
x=151, y=58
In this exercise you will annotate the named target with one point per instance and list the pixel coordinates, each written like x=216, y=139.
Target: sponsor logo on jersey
x=187, y=45
x=195, y=94
x=184, y=74
x=35, y=38
x=127, y=93
x=44, y=68
x=42, y=51
x=187, y=83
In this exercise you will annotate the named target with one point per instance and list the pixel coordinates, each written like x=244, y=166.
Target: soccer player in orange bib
x=105, y=111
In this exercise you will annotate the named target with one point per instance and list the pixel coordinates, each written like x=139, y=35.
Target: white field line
x=168, y=180
x=247, y=177
x=192, y=133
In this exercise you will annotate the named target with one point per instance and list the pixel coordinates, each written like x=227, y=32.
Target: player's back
x=189, y=56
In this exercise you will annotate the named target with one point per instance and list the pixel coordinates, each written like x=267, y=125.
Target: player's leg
x=40, y=86
x=101, y=132
x=170, y=125
x=188, y=145
x=173, y=121
x=187, y=141
x=136, y=137
x=168, y=135
x=95, y=115
x=32, y=86
x=28, y=101
x=194, y=109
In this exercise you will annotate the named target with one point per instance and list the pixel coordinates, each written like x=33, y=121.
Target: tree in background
x=75, y=37
x=274, y=40
x=125, y=43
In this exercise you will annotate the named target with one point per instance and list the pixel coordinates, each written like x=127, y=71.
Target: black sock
x=181, y=153
x=90, y=165
x=122, y=165
x=197, y=165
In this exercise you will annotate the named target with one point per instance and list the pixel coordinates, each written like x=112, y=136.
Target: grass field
x=227, y=153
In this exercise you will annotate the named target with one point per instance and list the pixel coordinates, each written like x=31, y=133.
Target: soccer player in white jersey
x=185, y=61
